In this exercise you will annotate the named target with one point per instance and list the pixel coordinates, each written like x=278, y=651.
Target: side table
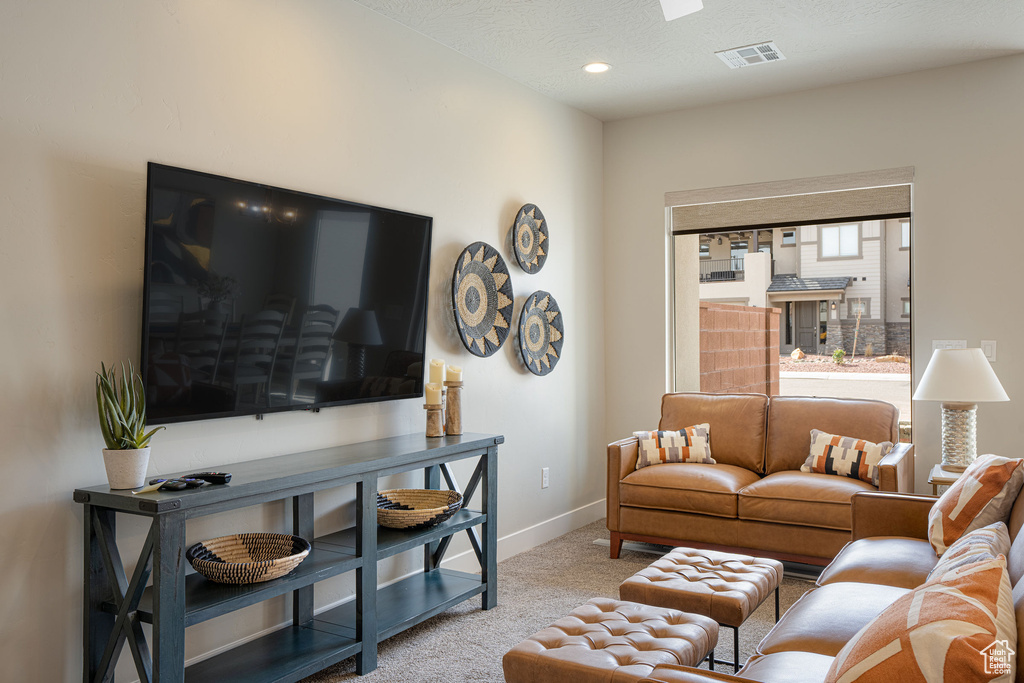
x=940, y=477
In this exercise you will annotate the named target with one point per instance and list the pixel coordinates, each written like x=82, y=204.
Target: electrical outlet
x=545, y=478
x=949, y=344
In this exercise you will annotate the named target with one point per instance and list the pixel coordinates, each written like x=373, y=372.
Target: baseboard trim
x=512, y=544
x=532, y=536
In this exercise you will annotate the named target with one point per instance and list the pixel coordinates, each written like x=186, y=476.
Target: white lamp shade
x=959, y=376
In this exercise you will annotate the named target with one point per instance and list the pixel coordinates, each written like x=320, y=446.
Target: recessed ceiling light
x=597, y=67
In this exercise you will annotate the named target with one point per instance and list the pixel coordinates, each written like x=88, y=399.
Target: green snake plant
x=122, y=408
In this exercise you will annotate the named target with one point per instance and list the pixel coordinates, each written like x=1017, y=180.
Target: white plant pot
x=126, y=469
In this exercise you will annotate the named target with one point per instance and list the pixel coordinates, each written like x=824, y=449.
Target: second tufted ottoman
x=608, y=640
x=726, y=587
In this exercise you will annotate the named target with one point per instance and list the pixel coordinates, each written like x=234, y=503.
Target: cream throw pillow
x=986, y=543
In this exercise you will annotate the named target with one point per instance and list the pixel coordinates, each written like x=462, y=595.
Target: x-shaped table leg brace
x=126, y=597
x=474, y=537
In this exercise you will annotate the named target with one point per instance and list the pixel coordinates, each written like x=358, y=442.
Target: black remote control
x=211, y=477
x=170, y=484
x=193, y=483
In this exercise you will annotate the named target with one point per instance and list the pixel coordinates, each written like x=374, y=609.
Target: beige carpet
x=535, y=588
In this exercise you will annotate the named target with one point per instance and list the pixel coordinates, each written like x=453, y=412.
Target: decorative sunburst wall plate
x=541, y=333
x=482, y=299
x=530, y=237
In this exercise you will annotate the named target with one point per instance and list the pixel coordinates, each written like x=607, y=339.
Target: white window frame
x=842, y=230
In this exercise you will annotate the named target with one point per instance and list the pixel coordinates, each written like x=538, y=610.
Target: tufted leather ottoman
x=723, y=586
x=610, y=641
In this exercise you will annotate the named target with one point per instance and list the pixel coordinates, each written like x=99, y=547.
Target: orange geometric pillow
x=692, y=444
x=957, y=627
x=982, y=495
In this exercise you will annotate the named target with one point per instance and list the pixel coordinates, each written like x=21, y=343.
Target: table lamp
x=960, y=379
x=358, y=329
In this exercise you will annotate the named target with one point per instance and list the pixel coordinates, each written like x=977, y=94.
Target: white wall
x=319, y=95
x=960, y=128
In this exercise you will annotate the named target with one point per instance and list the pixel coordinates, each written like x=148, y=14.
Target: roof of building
x=791, y=283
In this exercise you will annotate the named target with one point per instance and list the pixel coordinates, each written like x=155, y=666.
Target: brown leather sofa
x=889, y=556
x=755, y=498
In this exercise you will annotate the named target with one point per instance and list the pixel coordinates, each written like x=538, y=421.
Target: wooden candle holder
x=453, y=408
x=435, y=421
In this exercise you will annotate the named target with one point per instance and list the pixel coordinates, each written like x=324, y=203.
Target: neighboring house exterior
x=819, y=277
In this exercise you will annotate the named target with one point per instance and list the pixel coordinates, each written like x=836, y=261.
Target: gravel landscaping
x=860, y=364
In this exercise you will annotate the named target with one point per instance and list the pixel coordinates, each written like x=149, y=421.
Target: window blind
x=870, y=195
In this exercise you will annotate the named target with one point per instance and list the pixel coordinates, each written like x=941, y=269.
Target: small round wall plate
x=541, y=333
x=482, y=299
x=530, y=238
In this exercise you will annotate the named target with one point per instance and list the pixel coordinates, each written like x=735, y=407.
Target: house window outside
x=906, y=307
x=788, y=238
x=705, y=250
x=839, y=241
x=904, y=234
x=738, y=248
x=860, y=305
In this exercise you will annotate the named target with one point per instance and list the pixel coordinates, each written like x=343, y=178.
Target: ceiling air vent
x=750, y=55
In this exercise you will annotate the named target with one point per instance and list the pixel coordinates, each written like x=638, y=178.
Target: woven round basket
x=248, y=558
x=416, y=508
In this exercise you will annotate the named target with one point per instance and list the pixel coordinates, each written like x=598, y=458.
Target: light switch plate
x=949, y=344
x=989, y=347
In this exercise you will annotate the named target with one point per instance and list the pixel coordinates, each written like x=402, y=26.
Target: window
x=788, y=238
x=705, y=250
x=861, y=305
x=906, y=308
x=839, y=241
x=904, y=234
x=738, y=248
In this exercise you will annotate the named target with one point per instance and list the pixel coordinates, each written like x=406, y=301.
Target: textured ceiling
x=661, y=66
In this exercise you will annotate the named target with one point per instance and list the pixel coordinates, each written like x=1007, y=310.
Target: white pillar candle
x=436, y=371
x=433, y=394
x=454, y=373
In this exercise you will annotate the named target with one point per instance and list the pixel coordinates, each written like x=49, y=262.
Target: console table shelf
x=408, y=602
x=393, y=541
x=289, y=654
x=116, y=605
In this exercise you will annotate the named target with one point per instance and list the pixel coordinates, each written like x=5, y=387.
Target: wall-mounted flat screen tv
x=259, y=299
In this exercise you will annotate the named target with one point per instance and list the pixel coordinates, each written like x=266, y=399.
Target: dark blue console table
x=116, y=605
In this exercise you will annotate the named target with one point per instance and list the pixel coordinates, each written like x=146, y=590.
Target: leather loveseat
x=755, y=498
x=889, y=556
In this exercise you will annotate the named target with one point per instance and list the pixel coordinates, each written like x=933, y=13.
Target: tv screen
x=259, y=299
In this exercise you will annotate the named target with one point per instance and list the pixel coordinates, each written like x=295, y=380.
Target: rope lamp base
x=959, y=435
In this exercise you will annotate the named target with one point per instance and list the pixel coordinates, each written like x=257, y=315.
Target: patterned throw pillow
x=845, y=456
x=983, y=494
x=986, y=543
x=692, y=444
x=950, y=628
